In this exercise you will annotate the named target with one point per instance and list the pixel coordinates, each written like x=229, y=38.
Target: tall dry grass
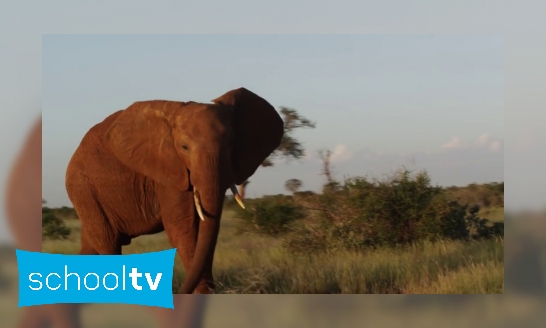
x=251, y=263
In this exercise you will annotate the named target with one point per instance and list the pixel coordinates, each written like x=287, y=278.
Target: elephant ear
x=258, y=131
x=141, y=138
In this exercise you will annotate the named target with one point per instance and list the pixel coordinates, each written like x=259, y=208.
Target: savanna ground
x=260, y=263
x=522, y=305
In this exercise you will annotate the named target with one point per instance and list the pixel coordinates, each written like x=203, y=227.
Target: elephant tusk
x=237, y=196
x=198, y=204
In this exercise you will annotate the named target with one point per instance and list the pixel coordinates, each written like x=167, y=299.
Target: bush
x=403, y=210
x=53, y=227
x=485, y=195
x=271, y=215
x=481, y=228
x=66, y=213
x=306, y=193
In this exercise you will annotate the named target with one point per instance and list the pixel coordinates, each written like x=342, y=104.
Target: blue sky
x=380, y=101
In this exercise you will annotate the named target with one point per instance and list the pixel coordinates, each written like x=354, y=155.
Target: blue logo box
x=141, y=279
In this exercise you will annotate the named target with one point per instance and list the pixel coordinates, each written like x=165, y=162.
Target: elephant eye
x=185, y=147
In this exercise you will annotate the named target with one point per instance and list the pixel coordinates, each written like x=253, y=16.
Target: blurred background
x=24, y=22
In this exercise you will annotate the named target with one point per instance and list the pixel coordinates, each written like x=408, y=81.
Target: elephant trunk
x=209, y=192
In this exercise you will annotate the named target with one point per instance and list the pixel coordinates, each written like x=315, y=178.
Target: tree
x=331, y=184
x=52, y=226
x=290, y=148
x=293, y=185
x=325, y=155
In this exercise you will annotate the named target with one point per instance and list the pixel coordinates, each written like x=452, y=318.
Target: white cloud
x=495, y=146
x=340, y=154
x=491, y=143
x=455, y=142
x=483, y=140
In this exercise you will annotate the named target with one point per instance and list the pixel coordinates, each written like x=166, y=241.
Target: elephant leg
x=97, y=235
x=86, y=247
x=181, y=224
x=107, y=243
x=206, y=285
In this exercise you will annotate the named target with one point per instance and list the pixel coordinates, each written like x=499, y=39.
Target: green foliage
x=481, y=228
x=52, y=226
x=484, y=195
x=306, y=193
x=271, y=215
x=67, y=213
x=331, y=187
x=290, y=147
x=63, y=213
x=404, y=210
x=257, y=263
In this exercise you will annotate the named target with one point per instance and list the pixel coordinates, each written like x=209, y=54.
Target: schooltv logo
x=140, y=279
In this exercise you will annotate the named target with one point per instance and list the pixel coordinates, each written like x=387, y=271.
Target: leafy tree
x=293, y=185
x=290, y=148
x=52, y=226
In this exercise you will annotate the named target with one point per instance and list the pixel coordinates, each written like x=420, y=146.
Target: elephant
x=23, y=199
x=163, y=165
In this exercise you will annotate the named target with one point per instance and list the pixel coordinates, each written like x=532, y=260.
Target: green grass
x=259, y=264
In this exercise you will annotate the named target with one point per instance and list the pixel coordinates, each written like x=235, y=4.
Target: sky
x=431, y=102
x=24, y=23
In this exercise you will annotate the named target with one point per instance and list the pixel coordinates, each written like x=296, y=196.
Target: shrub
x=481, y=228
x=368, y=214
x=53, y=227
x=306, y=193
x=66, y=213
x=485, y=195
x=271, y=215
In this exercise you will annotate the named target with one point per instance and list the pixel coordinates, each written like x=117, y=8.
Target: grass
x=252, y=264
x=510, y=310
